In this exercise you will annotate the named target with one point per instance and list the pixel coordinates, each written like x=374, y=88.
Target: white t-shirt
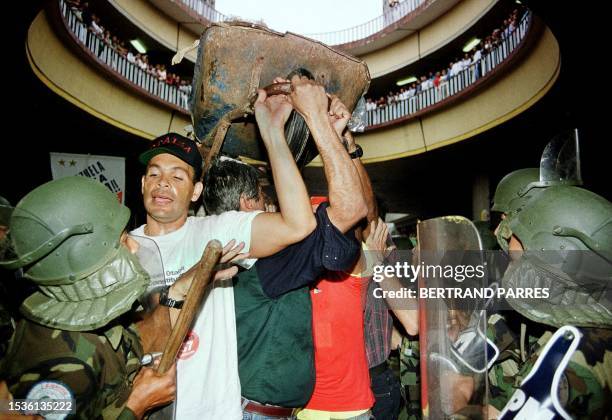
x=208, y=386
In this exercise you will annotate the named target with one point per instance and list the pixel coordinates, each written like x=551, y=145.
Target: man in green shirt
x=273, y=308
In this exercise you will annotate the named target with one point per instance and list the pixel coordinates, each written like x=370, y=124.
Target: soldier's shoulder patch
x=50, y=390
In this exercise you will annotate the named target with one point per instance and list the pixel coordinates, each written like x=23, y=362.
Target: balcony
x=387, y=22
x=120, y=66
x=398, y=22
x=413, y=104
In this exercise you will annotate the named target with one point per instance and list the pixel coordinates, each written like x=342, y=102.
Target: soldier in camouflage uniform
x=410, y=377
x=77, y=340
x=566, y=219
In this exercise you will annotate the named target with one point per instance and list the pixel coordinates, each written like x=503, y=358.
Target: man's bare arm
x=156, y=326
x=272, y=232
x=346, y=202
x=366, y=184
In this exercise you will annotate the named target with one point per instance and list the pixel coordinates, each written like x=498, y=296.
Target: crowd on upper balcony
x=439, y=79
x=82, y=11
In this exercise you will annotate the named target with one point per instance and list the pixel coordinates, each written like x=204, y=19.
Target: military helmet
x=66, y=236
x=65, y=230
x=565, y=218
x=566, y=233
x=510, y=193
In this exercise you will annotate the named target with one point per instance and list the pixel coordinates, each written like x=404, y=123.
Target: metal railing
x=422, y=100
x=371, y=27
x=108, y=56
x=343, y=36
x=205, y=10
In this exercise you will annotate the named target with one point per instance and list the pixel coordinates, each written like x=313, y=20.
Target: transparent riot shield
x=150, y=259
x=561, y=159
x=455, y=352
x=560, y=162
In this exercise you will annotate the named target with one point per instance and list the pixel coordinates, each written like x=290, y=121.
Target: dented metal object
x=237, y=58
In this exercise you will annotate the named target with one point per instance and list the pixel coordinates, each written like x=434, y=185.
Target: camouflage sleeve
x=584, y=390
x=502, y=375
x=56, y=364
x=410, y=376
x=61, y=379
x=126, y=414
x=588, y=376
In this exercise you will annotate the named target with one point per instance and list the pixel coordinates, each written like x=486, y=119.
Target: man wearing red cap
x=208, y=384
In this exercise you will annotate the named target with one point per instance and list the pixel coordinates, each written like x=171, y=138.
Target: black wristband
x=357, y=153
x=168, y=301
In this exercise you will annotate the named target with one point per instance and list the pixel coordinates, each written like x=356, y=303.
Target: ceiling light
x=406, y=81
x=471, y=44
x=136, y=43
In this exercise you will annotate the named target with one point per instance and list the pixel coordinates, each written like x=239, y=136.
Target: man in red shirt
x=342, y=385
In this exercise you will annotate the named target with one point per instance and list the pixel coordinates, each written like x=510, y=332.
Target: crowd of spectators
x=159, y=71
x=439, y=79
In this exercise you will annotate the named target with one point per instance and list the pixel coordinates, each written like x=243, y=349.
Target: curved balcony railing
x=204, y=10
x=391, y=16
x=344, y=36
x=477, y=72
x=129, y=72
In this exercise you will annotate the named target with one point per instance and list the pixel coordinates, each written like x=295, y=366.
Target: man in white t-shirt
x=207, y=384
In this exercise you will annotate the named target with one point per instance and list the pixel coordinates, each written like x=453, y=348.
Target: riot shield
x=455, y=352
x=560, y=162
x=561, y=159
x=150, y=259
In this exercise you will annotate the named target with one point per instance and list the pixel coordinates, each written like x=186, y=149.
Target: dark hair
x=381, y=204
x=225, y=182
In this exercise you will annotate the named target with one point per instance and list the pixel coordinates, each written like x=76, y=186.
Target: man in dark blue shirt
x=273, y=308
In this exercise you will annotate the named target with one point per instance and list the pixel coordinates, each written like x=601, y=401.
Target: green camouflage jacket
x=410, y=377
x=95, y=368
x=586, y=389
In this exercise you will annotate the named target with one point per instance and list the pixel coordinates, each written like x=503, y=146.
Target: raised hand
x=231, y=253
x=376, y=241
x=339, y=115
x=308, y=98
x=271, y=113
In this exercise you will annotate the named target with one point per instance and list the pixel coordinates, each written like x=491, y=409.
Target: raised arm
x=366, y=184
x=347, y=205
x=155, y=327
x=272, y=232
x=378, y=245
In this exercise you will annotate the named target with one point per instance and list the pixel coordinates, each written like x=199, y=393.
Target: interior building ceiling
x=434, y=183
